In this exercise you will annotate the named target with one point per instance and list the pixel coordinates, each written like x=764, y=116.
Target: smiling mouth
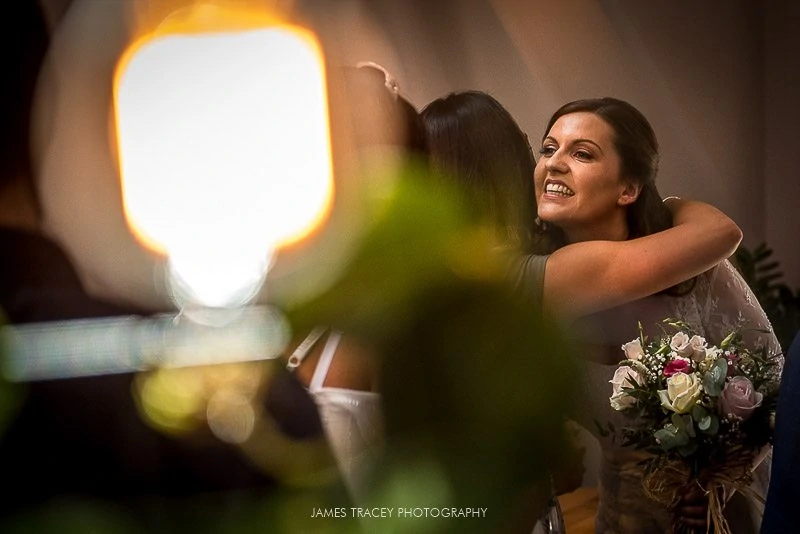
x=558, y=189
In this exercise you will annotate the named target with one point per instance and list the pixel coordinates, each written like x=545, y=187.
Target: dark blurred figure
x=81, y=442
x=473, y=383
x=340, y=371
x=780, y=513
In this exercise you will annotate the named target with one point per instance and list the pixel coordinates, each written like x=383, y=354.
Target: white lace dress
x=719, y=300
x=352, y=419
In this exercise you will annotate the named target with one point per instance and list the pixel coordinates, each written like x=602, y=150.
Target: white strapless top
x=352, y=419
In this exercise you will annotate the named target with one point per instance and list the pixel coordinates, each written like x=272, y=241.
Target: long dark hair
x=637, y=146
x=475, y=141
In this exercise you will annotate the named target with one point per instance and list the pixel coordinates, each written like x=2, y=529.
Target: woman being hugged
x=595, y=180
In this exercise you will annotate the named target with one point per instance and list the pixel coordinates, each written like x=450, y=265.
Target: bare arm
x=590, y=276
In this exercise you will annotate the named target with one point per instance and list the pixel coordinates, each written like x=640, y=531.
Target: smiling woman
x=596, y=181
x=596, y=176
x=578, y=183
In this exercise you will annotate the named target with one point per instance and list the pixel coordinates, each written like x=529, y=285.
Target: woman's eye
x=547, y=151
x=582, y=154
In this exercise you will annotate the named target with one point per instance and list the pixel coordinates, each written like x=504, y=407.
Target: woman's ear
x=629, y=194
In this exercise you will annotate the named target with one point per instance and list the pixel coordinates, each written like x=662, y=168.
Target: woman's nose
x=556, y=163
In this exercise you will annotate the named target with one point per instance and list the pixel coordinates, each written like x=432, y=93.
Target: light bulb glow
x=224, y=150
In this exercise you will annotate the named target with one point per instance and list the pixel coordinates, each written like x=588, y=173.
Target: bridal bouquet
x=704, y=411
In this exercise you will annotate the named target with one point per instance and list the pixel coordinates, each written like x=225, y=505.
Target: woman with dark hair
x=462, y=130
x=595, y=180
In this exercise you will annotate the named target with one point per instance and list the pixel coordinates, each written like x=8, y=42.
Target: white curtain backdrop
x=718, y=80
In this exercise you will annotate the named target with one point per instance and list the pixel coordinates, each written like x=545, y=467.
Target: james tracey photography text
x=383, y=512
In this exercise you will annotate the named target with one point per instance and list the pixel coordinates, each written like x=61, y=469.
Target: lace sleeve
x=730, y=303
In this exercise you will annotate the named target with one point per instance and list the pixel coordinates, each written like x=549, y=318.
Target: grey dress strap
x=527, y=274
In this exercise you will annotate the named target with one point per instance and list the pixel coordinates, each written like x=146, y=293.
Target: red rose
x=678, y=365
x=732, y=359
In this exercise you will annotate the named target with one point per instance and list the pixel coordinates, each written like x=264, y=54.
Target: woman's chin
x=551, y=216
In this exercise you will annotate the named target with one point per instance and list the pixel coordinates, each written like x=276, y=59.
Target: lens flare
x=224, y=148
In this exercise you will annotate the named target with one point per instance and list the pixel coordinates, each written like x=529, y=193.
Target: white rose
x=623, y=377
x=633, y=350
x=680, y=344
x=698, y=344
x=682, y=392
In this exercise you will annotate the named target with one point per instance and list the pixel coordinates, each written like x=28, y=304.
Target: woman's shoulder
x=527, y=270
x=351, y=364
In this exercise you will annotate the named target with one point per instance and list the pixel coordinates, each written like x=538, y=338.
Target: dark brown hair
x=474, y=140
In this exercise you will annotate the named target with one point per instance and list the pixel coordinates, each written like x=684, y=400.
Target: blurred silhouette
x=76, y=451
x=341, y=372
x=780, y=514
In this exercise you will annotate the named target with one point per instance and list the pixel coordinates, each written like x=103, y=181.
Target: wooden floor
x=579, y=508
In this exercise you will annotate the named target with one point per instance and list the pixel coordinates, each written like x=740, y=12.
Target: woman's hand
x=692, y=509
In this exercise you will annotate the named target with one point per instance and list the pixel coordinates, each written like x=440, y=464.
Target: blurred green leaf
x=11, y=395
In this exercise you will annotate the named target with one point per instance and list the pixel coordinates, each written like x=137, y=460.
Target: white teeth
x=558, y=189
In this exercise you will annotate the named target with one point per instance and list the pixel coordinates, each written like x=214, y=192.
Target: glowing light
x=224, y=151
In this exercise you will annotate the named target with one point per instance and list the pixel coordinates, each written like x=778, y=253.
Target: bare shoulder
x=355, y=365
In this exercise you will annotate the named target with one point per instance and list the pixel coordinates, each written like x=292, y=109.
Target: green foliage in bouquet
x=781, y=304
x=689, y=419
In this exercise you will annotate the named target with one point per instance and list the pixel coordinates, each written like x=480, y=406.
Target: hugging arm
x=590, y=276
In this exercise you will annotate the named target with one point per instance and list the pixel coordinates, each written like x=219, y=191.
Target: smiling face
x=578, y=181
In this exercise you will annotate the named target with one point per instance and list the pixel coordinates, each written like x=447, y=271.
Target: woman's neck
x=615, y=229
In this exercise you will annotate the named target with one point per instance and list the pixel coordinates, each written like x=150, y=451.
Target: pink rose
x=681, y=344
x=633, y=350
x=699, y=345
x=678, y=365
x=739, y=398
